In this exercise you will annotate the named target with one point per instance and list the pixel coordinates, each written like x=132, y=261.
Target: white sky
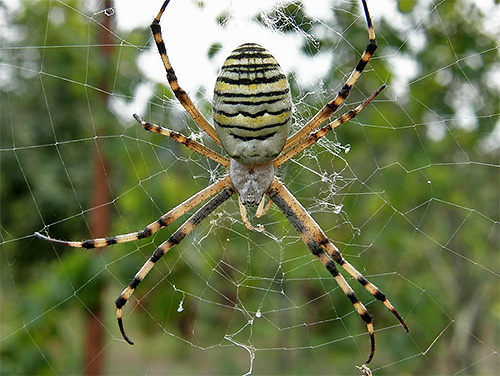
x=196, y=29
x=189, y=31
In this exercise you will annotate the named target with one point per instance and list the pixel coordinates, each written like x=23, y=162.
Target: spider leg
x=316, y=240
x=341, y=96
x=173, y=240
x=335, y=254
x=186, y=141
x=315, y=136
x=153, y=227
x=180, y=94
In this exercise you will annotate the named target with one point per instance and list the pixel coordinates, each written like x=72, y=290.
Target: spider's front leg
x=150, y=229
x=316, y=240
x=173, y=240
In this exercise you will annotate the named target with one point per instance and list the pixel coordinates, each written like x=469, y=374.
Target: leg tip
x=122, y=331
x=137, y=118
x=372, y=343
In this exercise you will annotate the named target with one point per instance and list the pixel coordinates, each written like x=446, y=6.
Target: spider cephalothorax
x=252, y=111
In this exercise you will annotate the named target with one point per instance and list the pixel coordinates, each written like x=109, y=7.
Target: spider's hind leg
x=181, y=139
x=332, y=106
x=179, y=93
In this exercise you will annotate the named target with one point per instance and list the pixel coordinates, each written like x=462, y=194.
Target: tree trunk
x=100, y=217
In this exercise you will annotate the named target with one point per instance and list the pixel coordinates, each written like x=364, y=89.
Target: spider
x=252, y=109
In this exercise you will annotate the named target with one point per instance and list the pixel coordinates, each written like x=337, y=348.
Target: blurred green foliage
x=419, y=192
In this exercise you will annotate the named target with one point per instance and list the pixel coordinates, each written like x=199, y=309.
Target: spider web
x=409, y=191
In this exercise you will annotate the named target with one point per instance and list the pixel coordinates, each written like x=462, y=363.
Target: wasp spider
x=252, y=110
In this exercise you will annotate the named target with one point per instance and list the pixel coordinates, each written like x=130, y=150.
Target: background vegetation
x=413, y=203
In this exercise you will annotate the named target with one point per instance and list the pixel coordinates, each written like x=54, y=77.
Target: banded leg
x=153, y=227
x=335, y=254
x=315, y=136
x=186, y=141
x=179, y=93
x=174, y=239
x=317, y=242
x=341, y=96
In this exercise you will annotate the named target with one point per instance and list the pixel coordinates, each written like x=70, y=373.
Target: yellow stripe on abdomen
x=252, y=105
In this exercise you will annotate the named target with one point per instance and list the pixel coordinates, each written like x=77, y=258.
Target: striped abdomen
x=252, y=106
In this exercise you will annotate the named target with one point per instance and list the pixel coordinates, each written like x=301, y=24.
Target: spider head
x=251, y=181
